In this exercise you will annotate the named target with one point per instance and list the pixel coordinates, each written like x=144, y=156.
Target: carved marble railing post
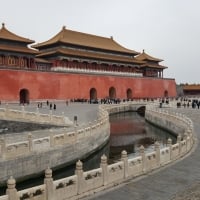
x=79, y=173
x=169, y=144
x=30, y=142
x=124, y=158
x=142, y=154
x=48, y=181
x=104, y=167
x=157, y=150
x=11, y=190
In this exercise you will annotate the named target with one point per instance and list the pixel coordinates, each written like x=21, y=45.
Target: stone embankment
x=85, y=183
x=31, y=155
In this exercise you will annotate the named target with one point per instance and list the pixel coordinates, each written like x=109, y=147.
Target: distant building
x=73, y=65
x=191, y=89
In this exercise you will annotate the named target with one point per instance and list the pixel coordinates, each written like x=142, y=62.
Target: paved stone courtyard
x=191, y=193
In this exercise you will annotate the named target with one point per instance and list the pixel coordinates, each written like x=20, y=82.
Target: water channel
x=129, y=131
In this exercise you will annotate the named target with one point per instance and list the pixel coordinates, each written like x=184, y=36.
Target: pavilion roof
x=8, y=35
x=144, y=56
x=41, y=60
x=67, y=36
x=20, y=49
x=191, y=87
x=150, y=65
x=90, y=55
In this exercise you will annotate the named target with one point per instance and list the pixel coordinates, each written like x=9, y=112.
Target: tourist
x=75, y=119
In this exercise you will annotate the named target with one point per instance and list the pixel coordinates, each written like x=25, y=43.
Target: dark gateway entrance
x=129, y=94
x=112, y=93
x=24, y=96
x=93, y=94
x=166, y=94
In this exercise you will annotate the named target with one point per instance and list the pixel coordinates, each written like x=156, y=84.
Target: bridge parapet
x=36, y=117
x=86, y=183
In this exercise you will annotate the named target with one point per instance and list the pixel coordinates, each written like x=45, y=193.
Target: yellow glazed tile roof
x=41, y=60
x=7, y=35
x=145, y=56
x=18, y=49
x=191, y=87
x=94, y=55
x=153, y=66
x=87, y=40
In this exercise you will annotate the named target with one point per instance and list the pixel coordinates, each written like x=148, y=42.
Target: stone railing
x=93, y=71
x=127, y=106
x=86, y=183
x=37, y=117
x=74, y=144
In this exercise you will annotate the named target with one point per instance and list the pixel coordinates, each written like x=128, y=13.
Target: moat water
x=129, y=131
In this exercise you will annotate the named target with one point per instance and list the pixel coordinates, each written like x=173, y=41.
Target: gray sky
x=166, y=29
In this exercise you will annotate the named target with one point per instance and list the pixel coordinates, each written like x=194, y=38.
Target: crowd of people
x=185, y=102
x=52, y=106
x=106, y=100
x=188, y=102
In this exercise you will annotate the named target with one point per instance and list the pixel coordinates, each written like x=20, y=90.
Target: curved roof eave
x=5, y=34
x=67, y=36
x=145, y=56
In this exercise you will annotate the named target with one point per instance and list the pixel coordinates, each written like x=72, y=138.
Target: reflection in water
x=129, y=131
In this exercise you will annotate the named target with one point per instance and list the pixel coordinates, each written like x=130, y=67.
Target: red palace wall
x=53, y=85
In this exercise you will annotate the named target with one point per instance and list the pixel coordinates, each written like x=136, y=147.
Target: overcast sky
x=166, y=29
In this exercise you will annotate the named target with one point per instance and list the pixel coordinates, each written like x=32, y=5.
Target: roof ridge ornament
x=3, y=25
x=64, y=27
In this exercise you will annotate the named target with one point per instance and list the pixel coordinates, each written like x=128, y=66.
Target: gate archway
x=112, y=93
x=166, y=93
x=93, y=94
x=24, y=96
x=129, y=94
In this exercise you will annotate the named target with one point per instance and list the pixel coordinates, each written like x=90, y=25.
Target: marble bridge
x=107, y=176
